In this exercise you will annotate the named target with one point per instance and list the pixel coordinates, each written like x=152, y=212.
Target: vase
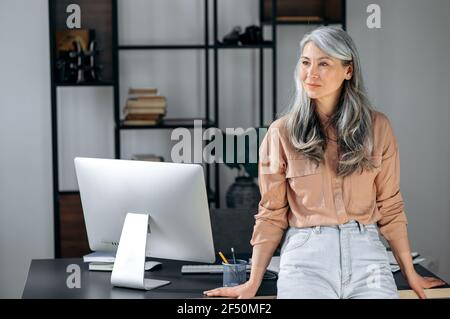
x=243, y=193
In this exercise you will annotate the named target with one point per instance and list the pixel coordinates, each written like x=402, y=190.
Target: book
x=144, y=110
x=143, y=91
x=147, y=102
x=143, y=97
x=141, y=122
x=100, y=256
x=150, y=117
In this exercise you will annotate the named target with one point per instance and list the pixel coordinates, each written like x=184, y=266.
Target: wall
x=407, y=71
x=418, y=107
x=26, y=217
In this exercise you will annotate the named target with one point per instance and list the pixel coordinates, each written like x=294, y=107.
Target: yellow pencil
x=223, y=257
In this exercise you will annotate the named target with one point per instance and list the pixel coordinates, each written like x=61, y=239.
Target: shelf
x=211, y=196
x=102, y=83
x=169, y=124
x=267, y=44
x=68, y=192
x=305, y=12
x=162, y=47
x=103, y=17
x=301, y=21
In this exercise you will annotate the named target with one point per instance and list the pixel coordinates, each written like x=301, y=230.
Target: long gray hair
x=353, y=116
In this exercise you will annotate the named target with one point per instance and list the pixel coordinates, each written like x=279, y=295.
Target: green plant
x=246, y=168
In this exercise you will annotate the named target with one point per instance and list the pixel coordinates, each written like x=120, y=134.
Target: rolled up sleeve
x=393, y=221
x=271, y=219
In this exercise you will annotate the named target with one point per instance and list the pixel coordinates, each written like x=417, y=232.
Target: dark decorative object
x=252, y=35
x=77, y=56
x=232, y=38
x=93, y=67
x=243, y=193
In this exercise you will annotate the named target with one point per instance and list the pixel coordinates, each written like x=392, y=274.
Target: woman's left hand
x=419, y=283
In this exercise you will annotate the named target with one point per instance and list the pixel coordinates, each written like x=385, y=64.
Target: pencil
x=223, y=257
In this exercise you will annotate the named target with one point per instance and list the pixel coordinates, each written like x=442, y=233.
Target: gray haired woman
x=329, y=176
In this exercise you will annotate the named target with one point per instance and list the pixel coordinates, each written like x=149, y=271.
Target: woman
x=329, y=173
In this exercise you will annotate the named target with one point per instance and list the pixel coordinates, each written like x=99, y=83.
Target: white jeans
x=343, y=261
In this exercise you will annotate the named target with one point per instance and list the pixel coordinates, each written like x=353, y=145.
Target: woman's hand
x=245, y=291
x=419, y=283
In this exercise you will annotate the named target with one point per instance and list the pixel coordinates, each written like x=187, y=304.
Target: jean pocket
x=296, y=238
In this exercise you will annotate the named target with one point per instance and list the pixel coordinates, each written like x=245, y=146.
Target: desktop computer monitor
x=173, y=194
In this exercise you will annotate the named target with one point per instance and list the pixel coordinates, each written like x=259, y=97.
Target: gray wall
x=407, y=71
x=26, y=218
x=393, y=58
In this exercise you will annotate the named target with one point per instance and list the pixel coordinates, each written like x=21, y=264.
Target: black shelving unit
x=94, y=16
x=313, y=12
x=210, y=118
x=207, y=47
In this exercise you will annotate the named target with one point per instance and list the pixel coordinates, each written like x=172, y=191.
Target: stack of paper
x=100, y=260
x=274, y=264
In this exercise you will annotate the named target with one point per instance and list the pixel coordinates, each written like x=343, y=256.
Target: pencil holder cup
x=234, y=274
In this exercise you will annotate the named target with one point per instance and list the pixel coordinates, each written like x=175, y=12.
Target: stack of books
x=144, y=107
x=100, y=260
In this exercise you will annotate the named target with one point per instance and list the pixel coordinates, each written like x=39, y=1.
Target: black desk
x=47, y=279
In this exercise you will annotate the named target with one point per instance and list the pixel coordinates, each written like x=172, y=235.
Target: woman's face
x=322, y=75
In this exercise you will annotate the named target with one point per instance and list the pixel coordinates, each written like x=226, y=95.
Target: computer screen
x=173, y=194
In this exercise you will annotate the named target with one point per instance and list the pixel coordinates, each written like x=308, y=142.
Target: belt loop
x=360, y=226
x=317, y=229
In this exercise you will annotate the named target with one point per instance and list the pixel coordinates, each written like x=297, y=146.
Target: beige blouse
x=294, y=192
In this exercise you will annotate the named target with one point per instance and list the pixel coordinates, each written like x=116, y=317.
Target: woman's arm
x=393, y=221
x=271, y=219
x=402, y=253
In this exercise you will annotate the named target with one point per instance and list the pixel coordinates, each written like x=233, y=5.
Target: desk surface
x=48, y=279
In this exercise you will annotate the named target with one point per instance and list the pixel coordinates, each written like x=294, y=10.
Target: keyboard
x=205, y=269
